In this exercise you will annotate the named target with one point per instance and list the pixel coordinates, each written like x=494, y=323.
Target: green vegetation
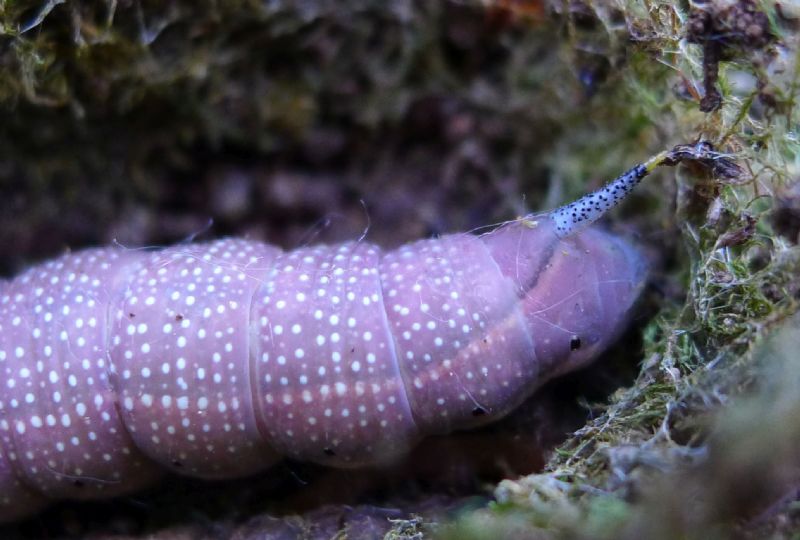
x=679, y=454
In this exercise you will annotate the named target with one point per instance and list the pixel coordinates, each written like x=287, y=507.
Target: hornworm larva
x=215, y=360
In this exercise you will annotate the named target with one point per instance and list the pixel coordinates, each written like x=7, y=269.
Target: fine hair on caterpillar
x=217, y=359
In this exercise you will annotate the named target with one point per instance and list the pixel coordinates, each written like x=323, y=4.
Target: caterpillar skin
x=216, y=360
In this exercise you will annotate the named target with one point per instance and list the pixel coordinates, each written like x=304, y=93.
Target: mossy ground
x=140, y=121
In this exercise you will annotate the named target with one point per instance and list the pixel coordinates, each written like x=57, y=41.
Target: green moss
x=740, y=279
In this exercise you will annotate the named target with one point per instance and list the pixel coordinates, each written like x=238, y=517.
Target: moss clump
x=126, y=120
x=654, y=464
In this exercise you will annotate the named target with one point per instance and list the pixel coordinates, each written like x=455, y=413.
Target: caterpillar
x=215, y=360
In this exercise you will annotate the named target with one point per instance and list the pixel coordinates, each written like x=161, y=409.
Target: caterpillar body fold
x=216, y=360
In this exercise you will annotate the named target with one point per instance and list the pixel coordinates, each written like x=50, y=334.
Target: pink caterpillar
x=215, y=360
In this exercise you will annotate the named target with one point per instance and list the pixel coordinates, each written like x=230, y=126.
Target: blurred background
x=149, y=122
